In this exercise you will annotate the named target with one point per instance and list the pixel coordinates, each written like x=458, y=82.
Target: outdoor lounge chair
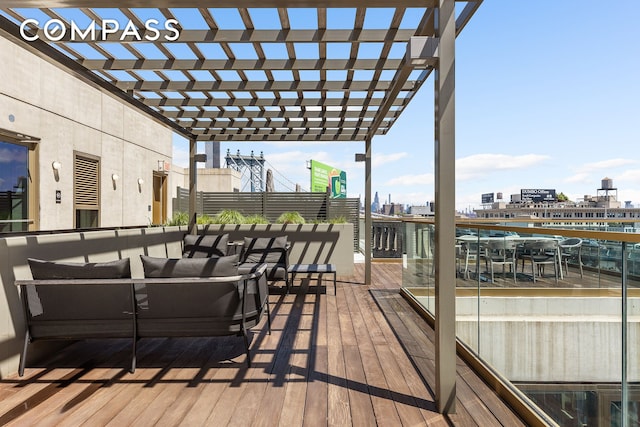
x=274, y=251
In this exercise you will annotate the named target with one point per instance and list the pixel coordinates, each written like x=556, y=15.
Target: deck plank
x=337, y=392
x=361, y=357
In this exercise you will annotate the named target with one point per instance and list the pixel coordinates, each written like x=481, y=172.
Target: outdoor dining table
x=469, y=238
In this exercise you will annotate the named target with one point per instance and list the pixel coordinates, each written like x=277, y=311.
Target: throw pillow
x=190, y=267
x=45, y=270
x=264, y=249
x=205, y=245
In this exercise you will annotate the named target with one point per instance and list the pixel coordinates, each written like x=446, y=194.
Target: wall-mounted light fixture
x=56, y=165
x=114, y=178
x=140, y=181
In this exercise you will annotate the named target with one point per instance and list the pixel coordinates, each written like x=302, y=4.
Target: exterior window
x=86, y=190
x=14, y=187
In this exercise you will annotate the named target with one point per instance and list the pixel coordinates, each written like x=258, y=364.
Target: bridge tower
x=250, y=167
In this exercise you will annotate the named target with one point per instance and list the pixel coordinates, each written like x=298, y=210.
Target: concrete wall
x=66, y=114
x=310, y=243
x=212, y=180
x=555, y=339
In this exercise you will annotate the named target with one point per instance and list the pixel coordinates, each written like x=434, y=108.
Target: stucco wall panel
x=19, y=73
x=112, y=117
x=67, y=114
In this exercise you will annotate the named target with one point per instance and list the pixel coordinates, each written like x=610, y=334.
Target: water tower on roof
x=607, y=194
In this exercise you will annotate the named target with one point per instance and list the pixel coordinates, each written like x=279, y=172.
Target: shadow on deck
x=361, y=357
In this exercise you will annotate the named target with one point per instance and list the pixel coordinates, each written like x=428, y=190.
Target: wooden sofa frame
x=73, y=309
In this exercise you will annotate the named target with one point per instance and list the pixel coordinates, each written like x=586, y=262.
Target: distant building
x=422, y=210
x=393, y=209
x=375, y=206
x=603, y=205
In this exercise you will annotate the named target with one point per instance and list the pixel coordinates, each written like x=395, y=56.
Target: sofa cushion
x=190, y=267
x=205, y=245
x=264, y=249
x=47, y=270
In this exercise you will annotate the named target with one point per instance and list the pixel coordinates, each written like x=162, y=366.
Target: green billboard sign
x=324, y=176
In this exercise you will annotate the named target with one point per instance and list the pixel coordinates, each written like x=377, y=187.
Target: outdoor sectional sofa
x=179, y=297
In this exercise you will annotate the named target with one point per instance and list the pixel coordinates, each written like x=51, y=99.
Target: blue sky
x=547, y=96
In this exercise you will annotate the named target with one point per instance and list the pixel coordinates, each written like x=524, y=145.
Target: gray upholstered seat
x=75, y=310
x=274, y=251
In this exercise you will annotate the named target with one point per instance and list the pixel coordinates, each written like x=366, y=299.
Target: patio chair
x=571, y=249
x=205, y=245
x=501, y=252
x=468, y=252
x=273, y=251
x=541, y=253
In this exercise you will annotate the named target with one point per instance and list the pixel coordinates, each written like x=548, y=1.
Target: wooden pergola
x=252, y=70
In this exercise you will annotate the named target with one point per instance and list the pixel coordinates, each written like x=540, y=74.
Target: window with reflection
x=14, y=188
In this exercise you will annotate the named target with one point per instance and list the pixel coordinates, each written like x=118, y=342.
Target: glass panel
x=544, y=308
x=86, y=218
x=417, y=262
x=14, y=209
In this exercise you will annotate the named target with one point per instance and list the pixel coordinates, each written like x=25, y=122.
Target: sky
x=547, y=96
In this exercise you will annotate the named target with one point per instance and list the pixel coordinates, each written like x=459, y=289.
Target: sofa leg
x=133, y=355
x=23, y=356
x=246, y=346
x=268, y=317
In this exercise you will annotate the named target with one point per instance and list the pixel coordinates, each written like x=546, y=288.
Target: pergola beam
x=259, y=86
x=216, y=3
x=267, y=102
x=268, y=114
x=239, y=64
x=251, y=36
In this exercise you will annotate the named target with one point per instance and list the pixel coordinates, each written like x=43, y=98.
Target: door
x=159, y=208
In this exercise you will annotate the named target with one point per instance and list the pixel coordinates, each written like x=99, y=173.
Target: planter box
x=310, y=243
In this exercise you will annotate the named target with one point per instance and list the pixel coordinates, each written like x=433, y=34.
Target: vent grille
x=86, y=173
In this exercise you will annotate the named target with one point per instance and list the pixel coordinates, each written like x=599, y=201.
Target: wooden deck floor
x=330, y=360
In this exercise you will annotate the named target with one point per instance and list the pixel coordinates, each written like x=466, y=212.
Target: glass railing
x=555, y=311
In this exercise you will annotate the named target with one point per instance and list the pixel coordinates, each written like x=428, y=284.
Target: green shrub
x=205, y=219
x=337, y=220
x=290, y=218
x=229, y=216
x=256, y=219
x=179, y=218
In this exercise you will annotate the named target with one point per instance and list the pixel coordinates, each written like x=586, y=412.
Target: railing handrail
x=565, y=232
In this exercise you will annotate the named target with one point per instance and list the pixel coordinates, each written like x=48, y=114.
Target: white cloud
x=482, y=164
x=385, y=159
x=12, y=155
x=609, y=164
x=632, y=175
x=579, y=178
x=422, y=179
